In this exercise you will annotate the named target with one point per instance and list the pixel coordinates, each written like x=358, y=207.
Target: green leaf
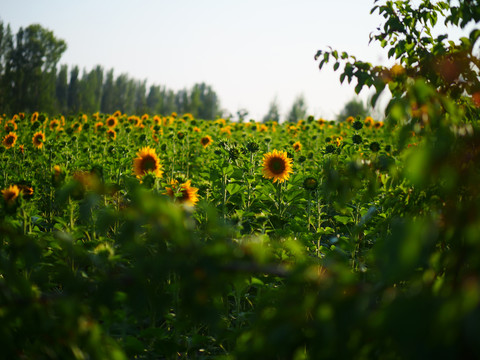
x=234, y=188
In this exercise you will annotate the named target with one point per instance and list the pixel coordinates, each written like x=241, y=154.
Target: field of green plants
x=148, y=236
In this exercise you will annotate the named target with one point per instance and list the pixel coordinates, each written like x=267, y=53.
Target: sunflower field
x=148, y=236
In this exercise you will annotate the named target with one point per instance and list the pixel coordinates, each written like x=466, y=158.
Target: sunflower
x=34, y=117
x=226, y=130
x=98, y=125
x=157, y=120
x=9, y=140
x=277, y=166
x=185, y=193
x=57, y=175
x=26, y=190
x=38, y=139
x=111, y=134
x=310, y=183
x=297, y=146
x=10, y=194
x=368, y=121
x=54, y=124
x=134, y=120
x=206, y=141
x=10, y=125
x=147, y=161
x=263, y=128
x=77, y=127
x=188, y=116
x=111, y=122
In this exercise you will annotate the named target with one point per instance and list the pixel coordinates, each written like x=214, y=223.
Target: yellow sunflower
x=206, y=141
x=277, y=166
x=98, y=125
x=10, y=125
x=226, y=130
x=9, y=140
x=157, y=120
x=10, y=194
x=54, y=124
x=184, y=194
x=111, y=134
x=27, y=191
x=146, y=162
x=57, y=175
x=297, y=146
x=38, y=139
x=34, y=117
x=111, y=122
x=134, y=120
x=368, y=121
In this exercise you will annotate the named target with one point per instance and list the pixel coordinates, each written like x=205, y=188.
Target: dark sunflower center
x=10, y=140
x=39, y=139
x=277, y=166
x=184, y=195
x=10, y=196
x=205, y=141
x=148, y=164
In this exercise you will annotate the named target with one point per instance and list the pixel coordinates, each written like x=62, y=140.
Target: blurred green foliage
x=369, y=250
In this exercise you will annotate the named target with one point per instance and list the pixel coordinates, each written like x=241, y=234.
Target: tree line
x=31, y=80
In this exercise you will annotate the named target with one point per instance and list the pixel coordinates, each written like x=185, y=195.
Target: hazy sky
x=249, y=51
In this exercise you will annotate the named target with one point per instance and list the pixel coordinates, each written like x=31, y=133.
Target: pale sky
x=249, y=51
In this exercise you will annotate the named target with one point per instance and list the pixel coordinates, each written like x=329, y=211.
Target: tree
x=154, y=100
x=204, y=101
x=107, y=104
x=182, y=101
x=73, y=98
x=242, y=114
x=140, y=97
x=168, y=105
x=62, y=89
x=31, y=67
x=298, y=110
x=352, y=108
x=6, y=48
x=273, y=113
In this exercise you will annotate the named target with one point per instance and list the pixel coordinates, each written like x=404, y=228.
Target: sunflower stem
x=308, y=210
x=279, y=198
x=224, y=197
